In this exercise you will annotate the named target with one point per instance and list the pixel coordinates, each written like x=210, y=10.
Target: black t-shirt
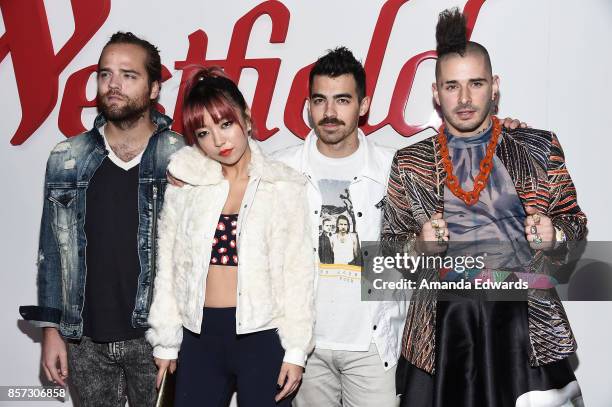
x=113, y=266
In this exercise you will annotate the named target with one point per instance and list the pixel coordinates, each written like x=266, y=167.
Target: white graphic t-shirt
x=343, y=320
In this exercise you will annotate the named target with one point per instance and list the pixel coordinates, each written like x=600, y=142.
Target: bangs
x=215, y=103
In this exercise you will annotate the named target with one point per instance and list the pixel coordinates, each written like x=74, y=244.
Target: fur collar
x=190, y=165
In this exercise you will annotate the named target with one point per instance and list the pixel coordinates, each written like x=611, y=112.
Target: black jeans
x=108, y=374
x=217, y=362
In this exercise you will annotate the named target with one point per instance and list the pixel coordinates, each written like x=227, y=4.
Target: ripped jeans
x=108, y=374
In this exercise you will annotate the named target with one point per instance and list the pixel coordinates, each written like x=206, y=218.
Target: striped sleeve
x=398, y=221
x=563, y=209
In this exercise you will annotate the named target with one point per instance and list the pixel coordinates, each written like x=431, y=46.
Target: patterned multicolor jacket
x=534, y=159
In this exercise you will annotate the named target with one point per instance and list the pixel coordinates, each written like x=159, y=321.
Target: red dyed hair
x=211, y=90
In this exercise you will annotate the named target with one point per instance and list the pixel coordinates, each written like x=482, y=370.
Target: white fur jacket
x=276, y=262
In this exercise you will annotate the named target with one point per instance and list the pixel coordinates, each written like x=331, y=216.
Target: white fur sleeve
x=296, y=328
x=166, y=327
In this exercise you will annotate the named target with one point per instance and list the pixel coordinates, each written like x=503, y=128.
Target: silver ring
x=440, y=233
x=537, y=238
x=534, y=229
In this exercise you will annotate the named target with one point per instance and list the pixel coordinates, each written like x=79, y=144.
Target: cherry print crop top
x=224, y=251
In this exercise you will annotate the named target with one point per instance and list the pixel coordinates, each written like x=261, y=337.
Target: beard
x=127, y=114
x=480, y=116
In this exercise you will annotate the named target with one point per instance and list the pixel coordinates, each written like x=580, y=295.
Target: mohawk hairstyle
x=451, y=33
x=451, y=38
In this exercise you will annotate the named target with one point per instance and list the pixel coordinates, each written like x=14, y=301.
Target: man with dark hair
x=97, y=256
x=338, y=62
x=344, y=243
x=326, y=253
x=472, y=182
x=357, y=342
x=152, y=62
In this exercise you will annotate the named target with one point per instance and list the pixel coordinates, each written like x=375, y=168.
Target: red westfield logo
x=37, y=66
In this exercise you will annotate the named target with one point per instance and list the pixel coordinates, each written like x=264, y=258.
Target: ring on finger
x=440, y=233
x=537, y=238
x=533, y=229
x=435, y=224
x=536, y=219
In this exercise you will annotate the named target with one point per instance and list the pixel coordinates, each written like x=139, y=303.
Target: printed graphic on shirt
x=339, y=251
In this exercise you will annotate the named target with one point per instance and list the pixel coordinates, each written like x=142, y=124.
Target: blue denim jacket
x=61, y=257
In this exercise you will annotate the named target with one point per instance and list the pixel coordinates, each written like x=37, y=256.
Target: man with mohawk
x=477, y=181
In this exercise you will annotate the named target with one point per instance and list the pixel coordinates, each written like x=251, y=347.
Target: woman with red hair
x=233, y=298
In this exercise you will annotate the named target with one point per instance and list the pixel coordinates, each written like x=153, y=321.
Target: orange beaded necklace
x=486, y=165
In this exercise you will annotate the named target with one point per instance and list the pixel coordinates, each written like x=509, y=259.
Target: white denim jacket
x=275, y=266
x=367, y=190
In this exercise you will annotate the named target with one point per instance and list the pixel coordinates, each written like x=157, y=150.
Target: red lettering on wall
x=294, y=108
x=267, y=68
x=74, y=101
x=378, y=46
x=36, y=66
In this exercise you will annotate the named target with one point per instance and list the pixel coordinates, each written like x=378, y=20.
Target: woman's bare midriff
x=221, y=286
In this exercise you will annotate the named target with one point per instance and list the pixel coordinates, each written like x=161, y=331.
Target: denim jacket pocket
x=63, y=202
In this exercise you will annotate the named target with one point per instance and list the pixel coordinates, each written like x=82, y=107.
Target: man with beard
x=476, y=182
x=344, y=243
x=357, y=342
x=96, y=262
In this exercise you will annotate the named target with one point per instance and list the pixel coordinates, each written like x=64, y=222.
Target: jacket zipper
x=153, y=257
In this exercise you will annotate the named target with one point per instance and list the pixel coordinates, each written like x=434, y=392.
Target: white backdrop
x=553, y=57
